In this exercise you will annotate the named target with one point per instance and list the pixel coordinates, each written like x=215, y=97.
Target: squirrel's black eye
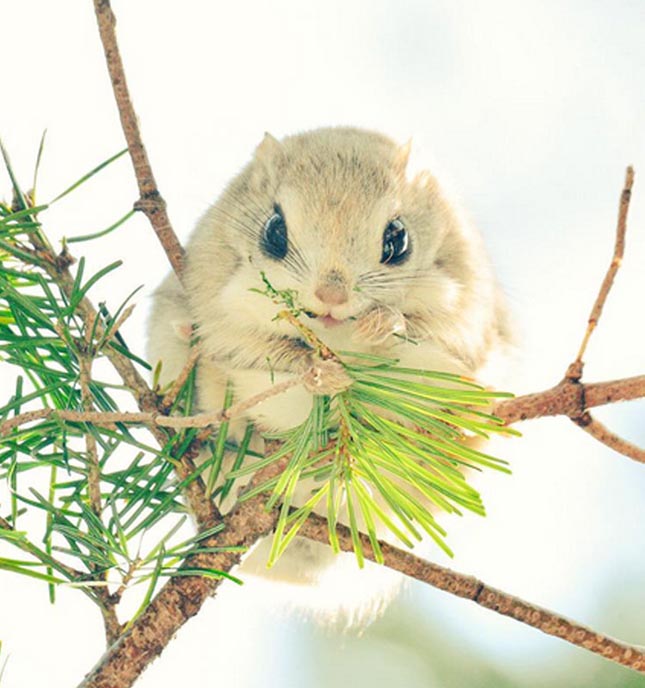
x=395, y=243
x=274, y=235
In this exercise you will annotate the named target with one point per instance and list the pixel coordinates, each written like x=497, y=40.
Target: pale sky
x=528, y=111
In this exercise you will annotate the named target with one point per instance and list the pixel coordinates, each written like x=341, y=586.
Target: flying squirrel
x=381, y=264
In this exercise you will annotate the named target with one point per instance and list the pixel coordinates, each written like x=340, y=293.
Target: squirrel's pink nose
x=332, y=293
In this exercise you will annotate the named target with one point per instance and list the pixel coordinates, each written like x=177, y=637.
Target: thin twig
x=321, y=349
x=134, y=566
x=113, y=330
x=208, y=420
x=603, y=434
x=575, y=369
x=632, y=656
x=241, y=407
x=177, y=385
x=151, y=202
x=94, y=470
x=565, y=399
x=111, y=623
x=584, y=419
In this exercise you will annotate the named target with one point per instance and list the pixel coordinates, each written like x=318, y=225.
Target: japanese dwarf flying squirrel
x=371, y=254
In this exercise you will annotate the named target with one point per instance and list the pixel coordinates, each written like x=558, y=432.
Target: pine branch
x=57, y=267
x=42, y=298
x=182, y=597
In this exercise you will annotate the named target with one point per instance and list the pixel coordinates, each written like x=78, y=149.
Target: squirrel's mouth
x=330, y=321
x=327, y=320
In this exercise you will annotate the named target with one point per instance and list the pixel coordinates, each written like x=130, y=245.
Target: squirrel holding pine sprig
x=381, y=264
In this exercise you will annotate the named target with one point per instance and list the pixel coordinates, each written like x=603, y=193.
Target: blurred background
x=529, y=112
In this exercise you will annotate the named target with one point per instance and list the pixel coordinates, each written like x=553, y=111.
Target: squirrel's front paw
x=377, y=325
x=326, y=377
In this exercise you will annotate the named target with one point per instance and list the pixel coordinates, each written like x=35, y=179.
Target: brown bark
x=151, y=201
x=486, y=596
x=570, y=399
x=565, y=399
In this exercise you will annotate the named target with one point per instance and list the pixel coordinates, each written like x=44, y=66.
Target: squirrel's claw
x=326, y=378
x=377, y=325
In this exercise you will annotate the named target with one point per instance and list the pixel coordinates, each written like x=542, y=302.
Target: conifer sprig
x=387, y=454
x=130, y=530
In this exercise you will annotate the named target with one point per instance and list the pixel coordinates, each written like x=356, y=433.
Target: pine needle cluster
x=97, y=507
x=391, y=451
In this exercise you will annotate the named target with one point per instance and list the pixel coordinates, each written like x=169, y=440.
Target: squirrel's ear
x=268, y=149
x=401, y=157
x=267, y=159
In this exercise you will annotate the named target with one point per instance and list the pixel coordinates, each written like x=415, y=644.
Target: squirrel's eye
x=395, y=243
x=274, y=235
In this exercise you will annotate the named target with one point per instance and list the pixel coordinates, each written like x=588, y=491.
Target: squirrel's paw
x=326, y=377
x=377, y=325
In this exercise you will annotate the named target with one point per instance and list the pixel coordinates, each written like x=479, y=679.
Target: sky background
x=529, y=113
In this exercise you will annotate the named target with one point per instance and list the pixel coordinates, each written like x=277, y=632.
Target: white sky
x=530, y=111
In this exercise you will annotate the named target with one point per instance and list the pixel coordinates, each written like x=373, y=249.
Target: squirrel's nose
x=332, y=294
x=332, y=289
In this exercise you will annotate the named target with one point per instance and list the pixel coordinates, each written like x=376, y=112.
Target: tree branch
x=570, y=399
x=57, y=267
x=575, y=369
x=565, y=399
x=151, y=201
x=461, y=585
x=111, y=623
x=603, y=434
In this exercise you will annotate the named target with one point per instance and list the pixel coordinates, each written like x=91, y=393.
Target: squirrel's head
x=331, y=214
